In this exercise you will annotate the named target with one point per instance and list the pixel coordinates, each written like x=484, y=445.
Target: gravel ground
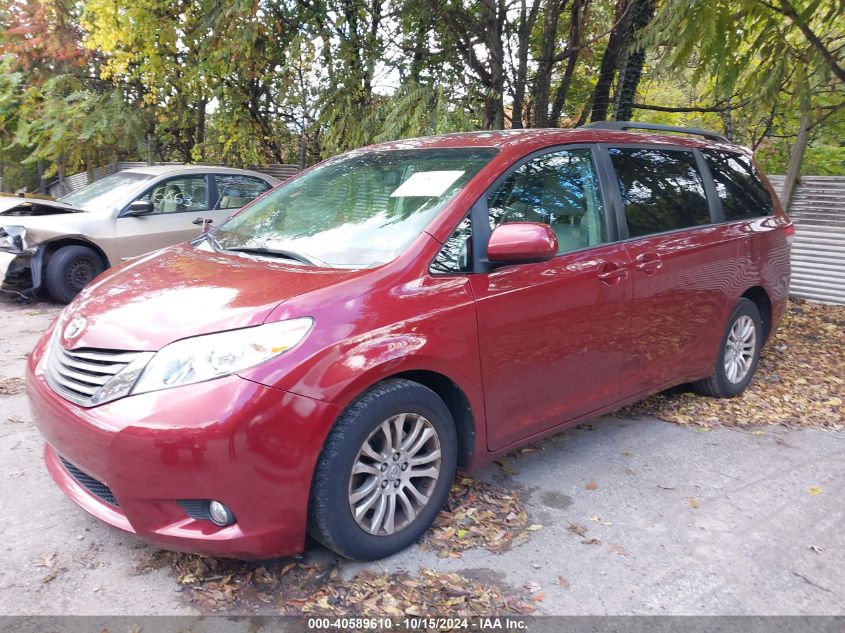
x=678, y=521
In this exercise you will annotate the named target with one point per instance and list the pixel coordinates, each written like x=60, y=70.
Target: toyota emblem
x=74, y=328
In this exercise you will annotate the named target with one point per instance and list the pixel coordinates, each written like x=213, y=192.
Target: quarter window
x=662, y=190
x=738, y=185
x=560, y=189
x=455, y=255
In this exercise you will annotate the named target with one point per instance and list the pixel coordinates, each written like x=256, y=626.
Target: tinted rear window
x=662, y=189
x=739, y=187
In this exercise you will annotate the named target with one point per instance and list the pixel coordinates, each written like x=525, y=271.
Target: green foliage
x=253, y=81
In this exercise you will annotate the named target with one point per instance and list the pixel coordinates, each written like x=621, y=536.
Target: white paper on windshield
x=428, y=184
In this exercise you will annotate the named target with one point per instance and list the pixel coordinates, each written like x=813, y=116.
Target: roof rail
x=634, y=125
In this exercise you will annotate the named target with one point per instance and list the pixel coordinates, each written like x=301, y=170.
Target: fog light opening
x=220, y=514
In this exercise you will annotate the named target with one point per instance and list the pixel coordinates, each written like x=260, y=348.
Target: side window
x=739, y=187
x=236, y=190
x=662, y=189
x=179, y=194
x=455, y=255
x=560, y=189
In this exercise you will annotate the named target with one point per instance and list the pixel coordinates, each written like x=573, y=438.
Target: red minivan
x=324, y=361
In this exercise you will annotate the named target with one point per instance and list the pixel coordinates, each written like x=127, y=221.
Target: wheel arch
x=452, y=394
x=457, y=403
x=760, y=298
x=52, y=246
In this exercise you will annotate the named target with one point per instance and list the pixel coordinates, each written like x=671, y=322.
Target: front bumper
x=21, y=272
x=250, y=446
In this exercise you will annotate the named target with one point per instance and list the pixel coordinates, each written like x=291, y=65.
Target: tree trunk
x=546, y=62
x=642, y=12
x=200, y=134
x=610, y=63
x=793, y=172
x=493, y=17
x=577, y=18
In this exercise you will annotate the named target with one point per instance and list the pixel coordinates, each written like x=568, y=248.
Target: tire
x=69, y=270
x=724, y=383
x=335, y=489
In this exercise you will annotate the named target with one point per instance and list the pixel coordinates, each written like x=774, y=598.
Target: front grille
x=78, y=374
x=96, y=488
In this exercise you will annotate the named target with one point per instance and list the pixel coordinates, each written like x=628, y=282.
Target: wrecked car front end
x=21, y=244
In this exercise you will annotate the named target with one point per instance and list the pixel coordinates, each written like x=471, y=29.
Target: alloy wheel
x=394, y=474
x=740, y=349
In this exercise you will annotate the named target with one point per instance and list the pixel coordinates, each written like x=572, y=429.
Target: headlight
x=13, y=238
x=210, y=356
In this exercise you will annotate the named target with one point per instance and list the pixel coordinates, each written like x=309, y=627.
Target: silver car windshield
x=107, y=192
x=357, y=211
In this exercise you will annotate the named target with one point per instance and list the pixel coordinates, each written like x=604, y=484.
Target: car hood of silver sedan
x=16, y=206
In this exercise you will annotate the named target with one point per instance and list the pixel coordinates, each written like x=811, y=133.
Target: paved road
x=688, y=522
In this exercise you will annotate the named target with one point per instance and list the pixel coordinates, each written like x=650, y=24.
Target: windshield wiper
x=208, y=237
x=273, y=252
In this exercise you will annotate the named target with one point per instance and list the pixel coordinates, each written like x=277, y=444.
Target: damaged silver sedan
x=62, y=245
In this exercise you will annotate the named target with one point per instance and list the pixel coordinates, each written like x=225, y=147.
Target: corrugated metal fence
x=64, y=186
x=818, y=253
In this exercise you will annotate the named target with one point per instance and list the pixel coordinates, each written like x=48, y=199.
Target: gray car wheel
x=69, y=270
x=384, y=472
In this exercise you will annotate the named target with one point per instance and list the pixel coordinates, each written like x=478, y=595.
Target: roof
x=539, y=137
x=158, y=170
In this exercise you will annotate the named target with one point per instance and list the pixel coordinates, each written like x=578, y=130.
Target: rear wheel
x=69, y=270
x=384, y=472
x=738, y=354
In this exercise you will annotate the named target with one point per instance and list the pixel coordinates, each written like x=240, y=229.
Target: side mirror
x=515, y=242
x=139, y=207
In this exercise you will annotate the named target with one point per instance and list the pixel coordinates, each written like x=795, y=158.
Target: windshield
x=354, y=212
x=105, y=193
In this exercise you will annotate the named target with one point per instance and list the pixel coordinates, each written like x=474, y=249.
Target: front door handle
x=612, y=273
x=649, y=263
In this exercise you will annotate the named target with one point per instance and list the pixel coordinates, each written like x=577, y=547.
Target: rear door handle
x=612, y=273
x=648, y=263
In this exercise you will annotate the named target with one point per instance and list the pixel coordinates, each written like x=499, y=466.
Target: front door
x=552, y=334
x=177, y=202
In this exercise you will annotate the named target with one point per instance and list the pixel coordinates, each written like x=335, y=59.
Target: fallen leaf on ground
x=692, y=502
x=46, y=560
x=577, y=528
x=814, y=491
x=798, y=381
x=297, y=588
x=591, y=486
x=563, y=582
x=534, y=527
x=616, y=548
x=477, y=514
x=592, y=541
x=11, y=386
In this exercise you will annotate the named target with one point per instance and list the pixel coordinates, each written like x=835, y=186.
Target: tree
x=783, y=53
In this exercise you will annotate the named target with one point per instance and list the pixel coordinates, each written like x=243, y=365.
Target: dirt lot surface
x=625, y=515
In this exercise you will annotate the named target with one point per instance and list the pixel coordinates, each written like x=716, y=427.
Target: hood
x=181, y=292
x=17, y=207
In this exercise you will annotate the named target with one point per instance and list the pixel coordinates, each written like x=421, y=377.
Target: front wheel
x=738, y=354
x=69, y=270
x=384, y=472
